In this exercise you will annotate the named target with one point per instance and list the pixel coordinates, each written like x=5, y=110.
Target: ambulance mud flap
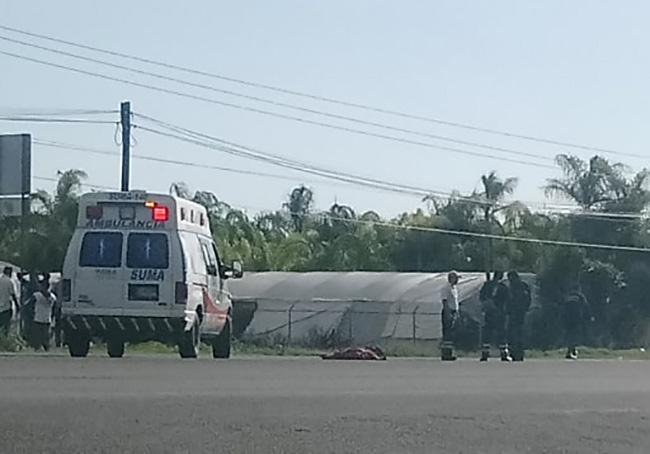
x=190, y=320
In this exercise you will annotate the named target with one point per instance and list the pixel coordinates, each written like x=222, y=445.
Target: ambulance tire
x=115, y=348
x=221, y=344
x=188, y=345
x=78, y=345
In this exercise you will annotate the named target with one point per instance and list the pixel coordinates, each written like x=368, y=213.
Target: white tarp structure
x=360, y=307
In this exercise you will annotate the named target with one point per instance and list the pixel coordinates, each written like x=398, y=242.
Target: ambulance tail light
x=181, y=293
x=66, y=290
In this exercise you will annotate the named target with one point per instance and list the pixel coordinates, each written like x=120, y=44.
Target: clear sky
x=573, y=71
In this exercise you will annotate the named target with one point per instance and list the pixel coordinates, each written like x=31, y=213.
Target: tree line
x=296, y=237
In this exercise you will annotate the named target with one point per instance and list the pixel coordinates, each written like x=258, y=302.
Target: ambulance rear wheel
x=78, y=345
x=221, y=343
x=188, y=345
x=115, y=348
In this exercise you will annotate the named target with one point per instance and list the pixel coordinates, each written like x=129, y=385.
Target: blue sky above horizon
x=571, y=71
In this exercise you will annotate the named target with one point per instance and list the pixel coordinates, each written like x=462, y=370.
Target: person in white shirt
x=7, y=299
x=449, y=316
x=43, y=304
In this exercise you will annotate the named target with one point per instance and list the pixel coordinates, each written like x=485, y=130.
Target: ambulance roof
x=182, y=214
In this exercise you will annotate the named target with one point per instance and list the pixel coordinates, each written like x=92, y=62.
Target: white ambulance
x=143, y=267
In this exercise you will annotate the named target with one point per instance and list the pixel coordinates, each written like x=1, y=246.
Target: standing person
x=7, y=300
x=517, y=309
x=28, y=286
x=44, y=301
x=449, y=316
x=491, y=335
x=575, y=312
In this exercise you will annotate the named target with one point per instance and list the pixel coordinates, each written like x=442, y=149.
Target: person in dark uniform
x=28, y=286
x=575, y=312
x=490, y=334
x=518, y=306
x=501, y=303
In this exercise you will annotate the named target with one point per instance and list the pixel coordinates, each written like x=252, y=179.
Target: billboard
x=15, y=174
x=15, y=164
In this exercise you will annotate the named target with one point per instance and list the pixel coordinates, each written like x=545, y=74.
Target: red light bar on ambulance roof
x=159, y=213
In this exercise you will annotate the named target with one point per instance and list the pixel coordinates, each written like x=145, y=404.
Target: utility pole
x=125, y=121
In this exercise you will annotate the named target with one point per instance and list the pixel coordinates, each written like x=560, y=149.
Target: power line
x=282, y=104
x=199, y=139
x=66, y=146
x=451, y=232
x=602, y=216
x=607, y=216
x=278, y=115
x=330, y=100
x=55, y=112
x=275, y=159
x=461, y=233
x=95, y=186
x=251, y=153
x=341, y=176
x=468, y=234
x=269, y=160
x=32, y=119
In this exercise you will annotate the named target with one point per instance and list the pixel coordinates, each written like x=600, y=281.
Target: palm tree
x=589, y=184
x=632, y=196
x=299, y=205
x=600, y=186
x=338, y=221
x=342, y=213
x=180, y=189
x=495, y=190
x=66, y=193
x=52, y=222
x=370, y=216
x=216, y=209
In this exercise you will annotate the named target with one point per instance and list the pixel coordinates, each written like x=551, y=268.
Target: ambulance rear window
x=147, y=250
x=101, y=250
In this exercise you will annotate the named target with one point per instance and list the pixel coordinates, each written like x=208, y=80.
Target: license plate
x=143, y=292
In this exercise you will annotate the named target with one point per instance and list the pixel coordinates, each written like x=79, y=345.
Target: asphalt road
x=273, y=405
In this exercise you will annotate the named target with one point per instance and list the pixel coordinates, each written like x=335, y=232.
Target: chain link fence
x=339, y=323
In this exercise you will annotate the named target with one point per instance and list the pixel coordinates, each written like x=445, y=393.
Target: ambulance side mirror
x=237, y=269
